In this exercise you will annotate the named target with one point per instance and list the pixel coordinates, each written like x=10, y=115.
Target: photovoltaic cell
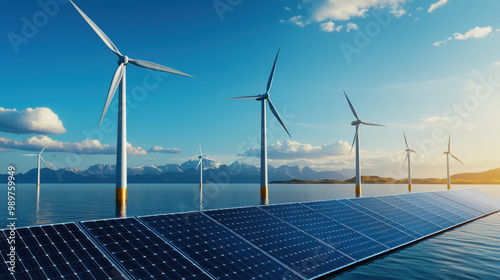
x=361, y=222
x=141, y=252
x=215, y=248
x=494, y=202
x=328, y=230
x=441, y=210
x=397, y=215
x=467, y=198
x=466, y=212
x=417, y=211
x=60, y=251
x=297, y=250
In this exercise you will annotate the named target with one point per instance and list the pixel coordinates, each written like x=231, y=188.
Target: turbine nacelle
x=357, y=122
x=123, y=59
x=263, y=96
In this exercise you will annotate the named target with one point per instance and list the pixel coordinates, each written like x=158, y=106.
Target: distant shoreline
x=379, y=180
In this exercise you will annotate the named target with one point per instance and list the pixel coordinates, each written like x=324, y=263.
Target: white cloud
x=287, y=8
x=39, y=120
x=434, y=119
x=498, y=30
x=351, y=26
x=496, y=63
x=347, y=9
x=87, y=146
x=398, y=11
x=297, y=20
x=295, y=150
x=330, y=27
x=475, y=33
x=436, y=5
x=158, y=149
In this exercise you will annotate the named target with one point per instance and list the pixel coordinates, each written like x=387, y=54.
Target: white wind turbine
x=408, y=152
x=357, y=123
x=39, y=155
x=200, y=165
x=448, y=154
x=120, y=78
x=263, y=141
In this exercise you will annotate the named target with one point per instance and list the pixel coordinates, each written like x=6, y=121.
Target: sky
x=427, y=68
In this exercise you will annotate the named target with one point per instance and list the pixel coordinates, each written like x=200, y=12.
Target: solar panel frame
x=226, y=244
x=141, y=252
x=311, y=258
x=322, y=227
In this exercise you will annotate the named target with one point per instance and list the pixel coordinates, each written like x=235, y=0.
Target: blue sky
x=427, y=71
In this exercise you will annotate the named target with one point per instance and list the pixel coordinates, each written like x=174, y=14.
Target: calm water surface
x=471, y=251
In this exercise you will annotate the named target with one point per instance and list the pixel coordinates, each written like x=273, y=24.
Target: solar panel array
x=287, y=241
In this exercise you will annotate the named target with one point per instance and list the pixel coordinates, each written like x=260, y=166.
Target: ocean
x=471, y=251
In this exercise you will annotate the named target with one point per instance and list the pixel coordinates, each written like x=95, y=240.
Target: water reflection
x=121, y=210
x=37, y=211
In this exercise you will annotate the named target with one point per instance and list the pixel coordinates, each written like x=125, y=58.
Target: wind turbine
x=448, y=154
x=200, y=165
x=357, y=123
x=39, y=155
x=263, y=141
x=408, y=151
x=120, y=78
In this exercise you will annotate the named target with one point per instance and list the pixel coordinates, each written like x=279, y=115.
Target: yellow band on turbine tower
x=121, y=195
x=263, y=193
x=358, y=191
x=409, y=187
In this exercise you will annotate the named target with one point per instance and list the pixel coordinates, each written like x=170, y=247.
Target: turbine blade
x=271, y=76
x=406, y=157
x=372, y=124
x=117, y=77
x=44, y=161
x=43, y=149
x=449, y=142
x=277, y=116
x=245, y=97
x=352, y=107
x=157, y=67
x=406, y=142
x=29, y=155
x=355, y=136
x=199, y=163
x=412, y=151
x=201, y=153
x=99, y=32
x=456, y=158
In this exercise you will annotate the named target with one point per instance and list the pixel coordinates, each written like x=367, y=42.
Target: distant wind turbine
x=357, y=123
x=120, y=78
x=448, y=154
x=408, y=152
x=39, y=155
x=263, y=141
x=200, y=165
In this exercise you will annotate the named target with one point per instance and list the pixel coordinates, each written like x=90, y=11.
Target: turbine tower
x=448, y=154
x=39, y=155
x=200, y=165
x=408, y=151
x=119, y=78
x=357, y=123
x=263, y=141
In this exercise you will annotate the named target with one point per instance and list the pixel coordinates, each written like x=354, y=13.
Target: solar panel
x=437, y=208
x=361, y=222
x=485, y=198
x=141, y=252
x=350, y=203
x=299, y=251
x=215, y=248
x=418, y=211
x=397, y=215
x=466, y=212
x=59, y=251
x=468, y=198
x=337, y=235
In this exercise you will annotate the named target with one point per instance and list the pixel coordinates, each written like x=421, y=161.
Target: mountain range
x=214, y=172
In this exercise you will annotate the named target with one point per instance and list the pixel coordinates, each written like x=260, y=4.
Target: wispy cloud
x=295, y=150
x=330, y=26
x=347, y=9
x=287, y=8
x=39, y=120
x=351, y=26
x=87, y=146
x=297, y=20
x=436, y=5
x=475, y=33
x=158, y=149
x=496, y=63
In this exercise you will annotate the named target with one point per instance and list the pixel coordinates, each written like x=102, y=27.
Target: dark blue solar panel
x=141, y=251
x=361, y=222
x=299, y=251
x=60, y=251
x=468, y=198
x=215, y=248
x=492, y=201
x=418, y=211
x=328, y=230
x=433, y=207
x=397, y=215
x=411, y=232
x=459, y=209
